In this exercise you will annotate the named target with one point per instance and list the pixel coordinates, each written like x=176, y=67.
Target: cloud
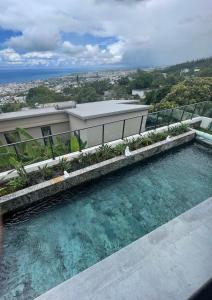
x=145, y=32
x=93, y=54
x=35, y=39
x=9, y=55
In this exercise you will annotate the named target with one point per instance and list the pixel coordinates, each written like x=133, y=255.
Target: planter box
x=48, y=188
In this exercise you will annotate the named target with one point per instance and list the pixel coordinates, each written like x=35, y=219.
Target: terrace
x=59, y=235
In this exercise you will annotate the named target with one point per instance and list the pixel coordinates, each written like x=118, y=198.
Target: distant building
x=67, y=117
x=140, y=93
x=184, y=71
x=196, y=69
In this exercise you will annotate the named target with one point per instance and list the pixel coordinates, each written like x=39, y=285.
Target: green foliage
x=176, y=130
x=155, y=96
x=45, y=172
x=64, y=164
x=5, y=154
x=119, y=149
x=34, y=151
x=142, y=80
x=10, y=107
x=162, y=106
x=85, y=159
x=104, y=152
x=74, y=144
x=100, y=86
x=88, y=92
x=23, y=175
x=206, y=130
x=16, y=184
x=200, y=63
x=42, y=94
x=191, y=91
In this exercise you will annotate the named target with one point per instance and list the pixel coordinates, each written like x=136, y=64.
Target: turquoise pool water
x=52, y=241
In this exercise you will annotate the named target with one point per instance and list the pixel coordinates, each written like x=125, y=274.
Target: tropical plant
x=104, y=152
x=22, y=173
x=5, y=154
x=45, y=171
x=16, y=184
x=76, y=144
x=87, y=159
x=64, y=164
x=119, y=149
x=176, y=130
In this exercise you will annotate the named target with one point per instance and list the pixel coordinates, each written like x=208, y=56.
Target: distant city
x=57, y=81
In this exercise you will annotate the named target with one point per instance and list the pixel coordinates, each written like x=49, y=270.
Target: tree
x=42, y=94
x=9, y=107
x=141, y=80
x=157, y=95
x=85, y=94
x=190, y=91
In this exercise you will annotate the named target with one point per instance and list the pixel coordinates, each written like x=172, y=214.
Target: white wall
x=206, y=122
x=113, y=131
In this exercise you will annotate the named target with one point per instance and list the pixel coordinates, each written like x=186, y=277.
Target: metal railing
x=141, y=123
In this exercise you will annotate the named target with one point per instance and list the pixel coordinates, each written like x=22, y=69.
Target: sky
x=75, y=33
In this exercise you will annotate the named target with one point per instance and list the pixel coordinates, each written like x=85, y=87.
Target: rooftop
x=103, y=108
x=83, y=111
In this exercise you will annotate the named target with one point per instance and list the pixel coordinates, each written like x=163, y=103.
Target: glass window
x=46, y=131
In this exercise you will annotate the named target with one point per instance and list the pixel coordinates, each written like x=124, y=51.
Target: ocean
x=26, y=75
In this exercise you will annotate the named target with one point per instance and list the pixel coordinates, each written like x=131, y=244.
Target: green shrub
x=45, y=172
x=64, y=164
x=119, y=149
x=176, y=130
x=104, y=152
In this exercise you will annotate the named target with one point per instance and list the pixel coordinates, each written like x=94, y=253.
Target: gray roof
x=103, y=108
x=83, y=111
x=28, y=113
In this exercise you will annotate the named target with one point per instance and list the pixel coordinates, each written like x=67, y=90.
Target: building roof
x=83, y=111
x=28, y=113
x=98, y=109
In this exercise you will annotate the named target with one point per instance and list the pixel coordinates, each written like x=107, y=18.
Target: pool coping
x=35, y=193
x=173, y=261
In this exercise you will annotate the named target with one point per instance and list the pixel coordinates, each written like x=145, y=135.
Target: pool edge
x=32, y=194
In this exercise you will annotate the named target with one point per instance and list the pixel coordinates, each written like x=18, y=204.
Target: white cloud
x=92, y=54
x=10, y=55
x=148, y=31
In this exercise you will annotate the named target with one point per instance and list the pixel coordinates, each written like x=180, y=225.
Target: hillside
x=199, y=63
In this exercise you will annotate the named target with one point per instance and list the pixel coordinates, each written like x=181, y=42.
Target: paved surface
x=171, y=262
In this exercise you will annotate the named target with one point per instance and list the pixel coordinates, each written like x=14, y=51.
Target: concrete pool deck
x=171, y=262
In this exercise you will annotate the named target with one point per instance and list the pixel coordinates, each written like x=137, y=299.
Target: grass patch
x=206, y=130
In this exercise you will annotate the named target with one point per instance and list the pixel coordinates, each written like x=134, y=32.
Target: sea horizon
x=23, y=75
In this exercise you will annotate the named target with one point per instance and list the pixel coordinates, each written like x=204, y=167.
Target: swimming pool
x=54, y=240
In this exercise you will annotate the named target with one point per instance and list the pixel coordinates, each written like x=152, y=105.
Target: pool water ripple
x=57, y=238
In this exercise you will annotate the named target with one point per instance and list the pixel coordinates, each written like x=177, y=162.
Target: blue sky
x=73, y=33
x=6, y=34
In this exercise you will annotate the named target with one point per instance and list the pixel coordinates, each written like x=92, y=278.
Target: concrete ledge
x=171, y=262
x=48, y=188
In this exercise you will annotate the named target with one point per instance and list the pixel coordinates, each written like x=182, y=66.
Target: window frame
x=45, y=139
